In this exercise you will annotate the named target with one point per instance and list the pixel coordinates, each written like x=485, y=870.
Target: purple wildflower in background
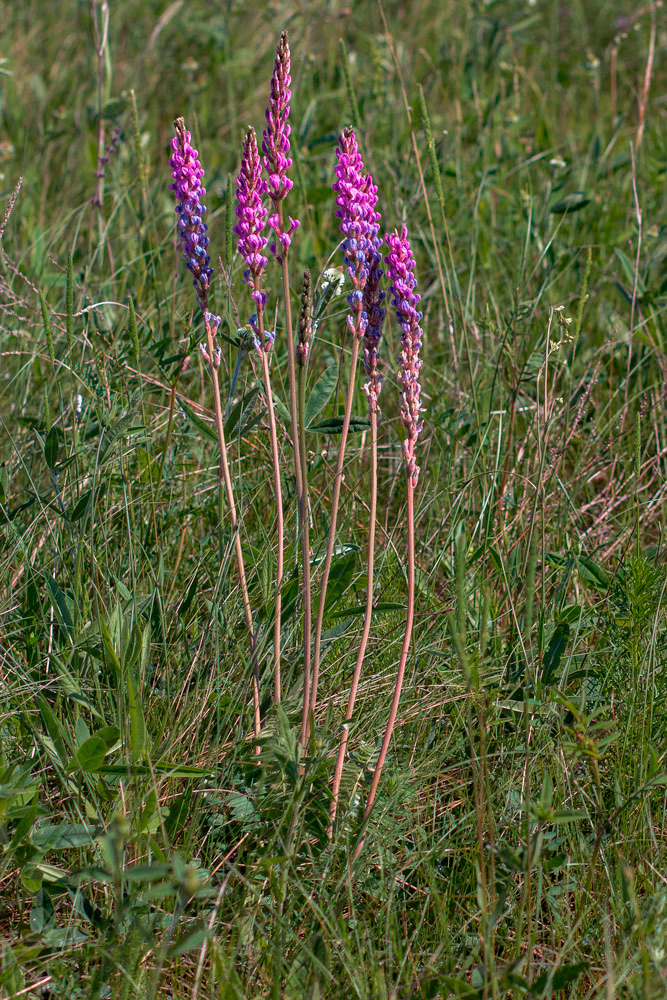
x=402, y=282
x=275, y=145
x=251, y=213
x=187, y=173
x=356, y=196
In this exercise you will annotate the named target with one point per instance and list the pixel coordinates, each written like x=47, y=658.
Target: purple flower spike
x=402, y=282
x=373, y=298
x=251, y=213
x=187, y=173
x=356, y=197
x=275, y=146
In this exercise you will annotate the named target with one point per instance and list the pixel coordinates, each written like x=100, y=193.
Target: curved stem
x=367, y=623
x=338, y=481
x=275, y=457
x=305, y=556
x=226, y=479
x=401, y=666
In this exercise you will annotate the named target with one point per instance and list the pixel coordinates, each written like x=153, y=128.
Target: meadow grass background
x=518, y=842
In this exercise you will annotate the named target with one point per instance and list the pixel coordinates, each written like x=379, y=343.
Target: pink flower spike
x=250, y=211
x=402, y=282
x=275, y=138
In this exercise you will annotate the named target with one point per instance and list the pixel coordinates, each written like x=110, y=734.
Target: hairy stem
x=305, y=556
x=275, y=457
x=226, y=480
x=367, y=623
x=401, y=666
x=291, y=367
x=338, y=482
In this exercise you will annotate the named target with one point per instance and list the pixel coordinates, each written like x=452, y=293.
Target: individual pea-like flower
x=276, y=147
x=356, y=196
x=212, y=323
x=269, y=336
x=402, y=283
x=192, y=230
x=251, y=213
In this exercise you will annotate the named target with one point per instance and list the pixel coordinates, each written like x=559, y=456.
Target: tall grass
x=516, y=843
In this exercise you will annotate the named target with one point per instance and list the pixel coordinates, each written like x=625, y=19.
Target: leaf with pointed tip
x=334, y=425
x=321, y=393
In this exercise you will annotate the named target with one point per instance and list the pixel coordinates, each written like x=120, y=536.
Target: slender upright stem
x=275, y=457
x=305, y=556
x=291, y=367
x=338, y=482
x=226, y=479
x=367, y=623
x=404, y=657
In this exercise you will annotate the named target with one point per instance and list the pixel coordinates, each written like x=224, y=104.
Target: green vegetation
x=518, y=842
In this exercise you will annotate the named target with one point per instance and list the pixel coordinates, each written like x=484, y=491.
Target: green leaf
x=196, y=421
x=336, y=630
x=162, y=767
x=80, y=507
x=189, y=942
x=179, y=812
x=340, y=578
x=89, y=756
x=111, y=657
x=241, y=807
x=62, y=606
x=64, y=836
x=629, y=269
x=360, y=609
x=242, y=412
x=42, y=914
x=280, y=407
x=137, y=721
x=556, y=649
x=334, y=425
x=52, y=728
x=573, y=202
x=81, y=731
x=321, y=393
x=52, y=447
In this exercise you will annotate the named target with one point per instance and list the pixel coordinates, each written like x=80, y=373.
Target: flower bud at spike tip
x=192, y=230
x=276, y=146
x=305, y=321
x=251, y=213
x=402, y=283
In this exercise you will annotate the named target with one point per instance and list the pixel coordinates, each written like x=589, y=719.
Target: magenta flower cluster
x=251, y=213
x=276, y=146
x=402, y=283
x=192, y=230
x=356, y=197
x=373, y=299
